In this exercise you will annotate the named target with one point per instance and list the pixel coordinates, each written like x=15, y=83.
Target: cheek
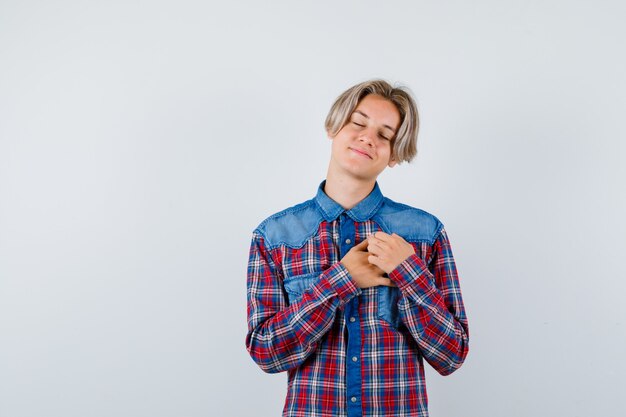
x=385, y=146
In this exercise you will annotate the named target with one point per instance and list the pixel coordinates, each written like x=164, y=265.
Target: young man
x=350, y=291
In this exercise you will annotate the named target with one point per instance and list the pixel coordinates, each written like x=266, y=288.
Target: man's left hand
x=388, y=251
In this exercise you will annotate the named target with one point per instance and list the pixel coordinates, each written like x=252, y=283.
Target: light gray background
x=141, y=142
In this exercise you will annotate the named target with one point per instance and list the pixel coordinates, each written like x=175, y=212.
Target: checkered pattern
x=307, y=335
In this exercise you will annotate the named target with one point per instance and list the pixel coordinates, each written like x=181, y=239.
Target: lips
x=361, y=152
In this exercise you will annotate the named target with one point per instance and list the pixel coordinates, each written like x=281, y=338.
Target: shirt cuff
x=413, y=277
x=340, y=280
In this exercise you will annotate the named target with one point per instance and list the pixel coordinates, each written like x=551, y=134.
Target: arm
x=431, y=305
x=432, y=308
x=282, y=336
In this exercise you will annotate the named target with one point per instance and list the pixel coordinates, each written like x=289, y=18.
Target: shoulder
x=411, y=223
x=291, y=226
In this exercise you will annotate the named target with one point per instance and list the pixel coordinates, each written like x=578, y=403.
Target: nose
x=367, y=136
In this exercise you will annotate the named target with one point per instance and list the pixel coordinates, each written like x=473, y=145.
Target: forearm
x=281, y=337
x=437, y=323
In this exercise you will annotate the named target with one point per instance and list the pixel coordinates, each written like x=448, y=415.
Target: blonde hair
x=404, y=145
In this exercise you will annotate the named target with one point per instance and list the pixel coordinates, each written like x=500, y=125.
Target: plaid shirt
x=351, y=351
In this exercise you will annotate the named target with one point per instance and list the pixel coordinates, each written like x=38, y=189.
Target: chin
x=363, y=176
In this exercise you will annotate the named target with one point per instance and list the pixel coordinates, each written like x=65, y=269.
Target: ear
x=392, y=163
x=329, y=136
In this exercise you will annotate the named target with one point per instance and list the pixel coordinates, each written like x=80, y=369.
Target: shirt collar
x=363, y=211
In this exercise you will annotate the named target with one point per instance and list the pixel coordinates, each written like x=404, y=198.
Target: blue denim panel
x=292, y=227
x=411, y=223
x=388, y=298
x=414, y=225
x=297, y=285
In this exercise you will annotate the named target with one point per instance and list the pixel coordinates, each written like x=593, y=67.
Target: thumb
x=361, y=246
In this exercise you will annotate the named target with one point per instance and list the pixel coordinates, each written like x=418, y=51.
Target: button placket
x=353, y=377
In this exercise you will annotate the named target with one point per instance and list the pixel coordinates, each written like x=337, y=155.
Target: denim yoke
x=298, y=228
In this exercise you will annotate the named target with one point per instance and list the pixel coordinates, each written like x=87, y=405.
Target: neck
x=347, y=191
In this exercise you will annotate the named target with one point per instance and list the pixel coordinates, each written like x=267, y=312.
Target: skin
x=361, y=151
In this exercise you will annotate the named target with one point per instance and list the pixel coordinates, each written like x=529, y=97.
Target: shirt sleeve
x=432, y=308
x=281, y=336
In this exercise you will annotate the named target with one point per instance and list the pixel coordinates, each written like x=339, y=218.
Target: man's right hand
x=364, y=274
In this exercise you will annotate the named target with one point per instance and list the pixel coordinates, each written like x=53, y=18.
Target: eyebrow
x=367, y=117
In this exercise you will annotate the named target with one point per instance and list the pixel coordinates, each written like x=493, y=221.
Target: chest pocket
x=388, y=305
x=296, y=286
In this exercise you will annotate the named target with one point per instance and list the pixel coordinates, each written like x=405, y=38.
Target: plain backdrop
x=141, y=142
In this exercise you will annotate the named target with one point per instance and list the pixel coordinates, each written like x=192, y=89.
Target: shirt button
x=353, y=399
x=354, y=359
x=348, y=241
x=352, y=319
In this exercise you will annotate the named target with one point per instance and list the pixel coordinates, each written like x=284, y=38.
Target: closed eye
x=358, y=124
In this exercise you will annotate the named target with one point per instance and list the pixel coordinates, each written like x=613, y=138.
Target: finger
x=375, y=260
x=374, y=250
x=380, y=243
x=381, y=249
x=381, y=235
x=386, y=282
